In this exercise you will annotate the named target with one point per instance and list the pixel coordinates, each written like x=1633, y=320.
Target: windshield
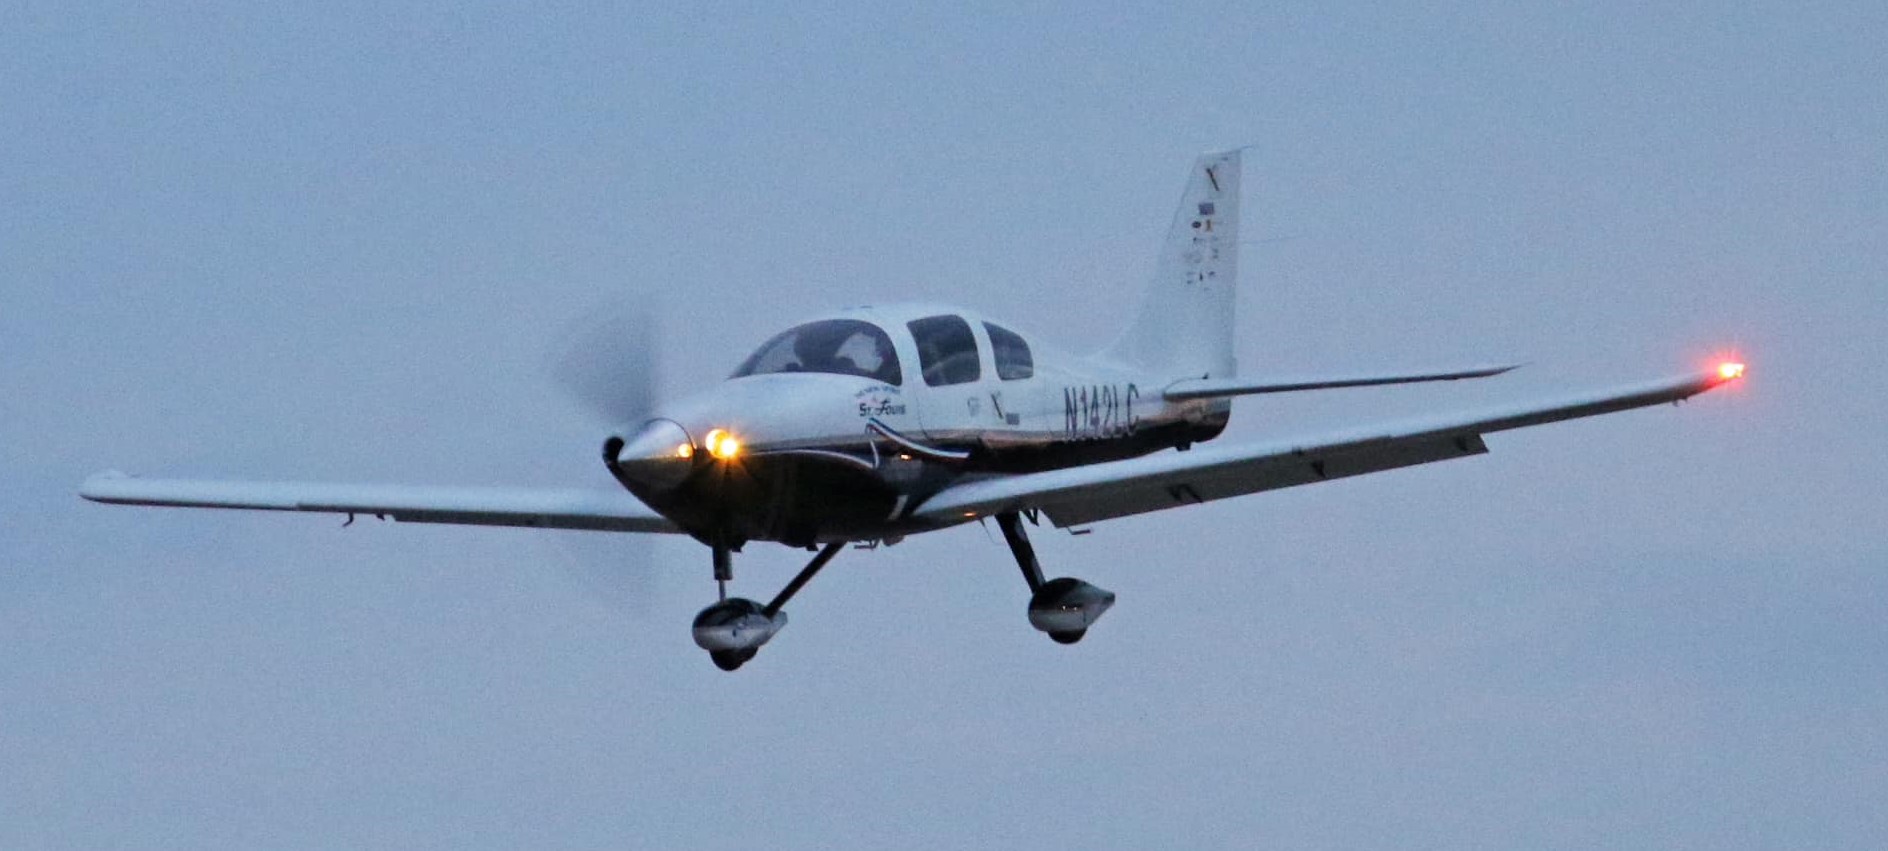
x=842, y=346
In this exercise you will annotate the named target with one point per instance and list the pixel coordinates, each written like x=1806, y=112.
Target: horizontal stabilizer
x=1181, y=391
x=600, y=510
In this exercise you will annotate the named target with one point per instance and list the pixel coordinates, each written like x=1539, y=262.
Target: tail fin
x=1184, y=327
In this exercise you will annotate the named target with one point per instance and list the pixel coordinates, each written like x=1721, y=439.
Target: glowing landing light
x=684, y=452
x=1729, y=370
x=721, y=444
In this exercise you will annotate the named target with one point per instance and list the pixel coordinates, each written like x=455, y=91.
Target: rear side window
x=1011, y=352
x=947, y=350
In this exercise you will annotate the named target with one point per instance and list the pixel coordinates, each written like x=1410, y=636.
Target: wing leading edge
x=1082, y=495
x=612, y=511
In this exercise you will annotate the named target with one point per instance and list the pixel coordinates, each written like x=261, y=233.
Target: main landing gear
x=733, y=630
x=1063, y=607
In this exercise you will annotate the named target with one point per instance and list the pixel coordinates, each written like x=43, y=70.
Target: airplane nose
x=660, y=455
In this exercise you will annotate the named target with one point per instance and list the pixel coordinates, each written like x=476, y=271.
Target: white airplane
x=875, y=423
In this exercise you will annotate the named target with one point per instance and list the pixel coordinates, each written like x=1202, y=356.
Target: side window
x=947, y=350
x=1011, y=352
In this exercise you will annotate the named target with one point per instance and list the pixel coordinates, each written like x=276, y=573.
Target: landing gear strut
x=724, y=571
x=733, y=629
x=1063, y=607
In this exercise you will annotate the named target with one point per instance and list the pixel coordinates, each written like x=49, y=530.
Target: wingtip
x=96, y=484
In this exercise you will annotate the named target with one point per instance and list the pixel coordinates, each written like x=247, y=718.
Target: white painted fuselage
x=847, y=427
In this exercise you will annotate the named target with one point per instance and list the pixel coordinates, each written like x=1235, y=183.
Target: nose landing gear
x=733, y=629
x=1064, y=607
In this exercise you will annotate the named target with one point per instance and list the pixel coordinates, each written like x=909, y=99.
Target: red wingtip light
x=1729, y=370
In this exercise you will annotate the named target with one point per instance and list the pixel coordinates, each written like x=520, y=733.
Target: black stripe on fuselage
x=802, y=498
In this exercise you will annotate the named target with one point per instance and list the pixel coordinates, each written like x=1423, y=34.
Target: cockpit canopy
x=838, y=346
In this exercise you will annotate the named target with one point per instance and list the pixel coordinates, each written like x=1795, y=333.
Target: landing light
x=684, y=452
x=1729, y=370
x=721, y=444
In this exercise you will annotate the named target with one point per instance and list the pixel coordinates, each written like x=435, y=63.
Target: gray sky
x=342, y=241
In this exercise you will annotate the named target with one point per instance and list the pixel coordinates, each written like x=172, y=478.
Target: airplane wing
x=1080, y=495
x=1202, y=388
x=613, y=511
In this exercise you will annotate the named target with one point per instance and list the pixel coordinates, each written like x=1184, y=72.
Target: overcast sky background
x=341, y=241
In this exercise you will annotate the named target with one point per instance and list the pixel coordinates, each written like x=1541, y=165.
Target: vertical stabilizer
x=1184, y=327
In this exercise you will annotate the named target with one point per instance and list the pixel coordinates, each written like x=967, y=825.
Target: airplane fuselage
x=846, y=428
